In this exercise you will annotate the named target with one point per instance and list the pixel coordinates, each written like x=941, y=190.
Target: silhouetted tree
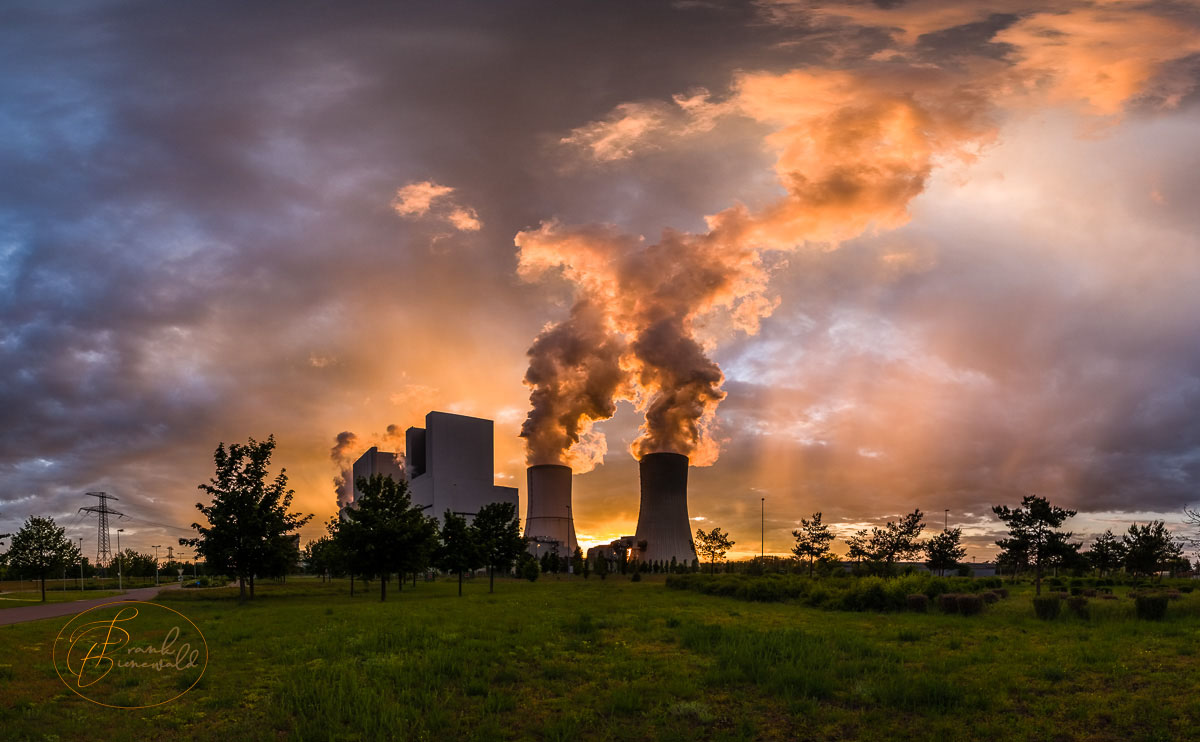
x=40, y=549
x=812, y=540
x=896, y=541
x=459, y=549
x=500, y=541
x=577, y=561
x=944, y=551
x=857, y=547
x=713, y=544
x=389, y=532
x=1149, y=548
x=1033, y=533
x=1106, y=554
x=602, y=567
x=249, y=524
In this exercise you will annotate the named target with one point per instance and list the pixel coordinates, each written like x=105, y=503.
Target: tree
x=40, y=548
x=602, y=567
x=1149, y=549
x=459, y=548
x=1033, y=533
x=388, y=531
x=1106, y=554
x=896, y=541
x=713, y=544
x=944, y=551
x=857, y=546
x=249, y=525
x=500, y=542
x=812, y=540
x=577, y=562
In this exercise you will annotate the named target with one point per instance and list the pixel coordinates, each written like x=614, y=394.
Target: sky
x=850, y=257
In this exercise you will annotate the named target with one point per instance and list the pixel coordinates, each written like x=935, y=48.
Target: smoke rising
x=341, y=455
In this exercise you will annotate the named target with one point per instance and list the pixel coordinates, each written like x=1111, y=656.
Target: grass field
x=15, y=599
x=571, y=659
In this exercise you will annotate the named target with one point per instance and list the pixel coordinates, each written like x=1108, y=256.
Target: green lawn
x=27, y=598
x=614, y=660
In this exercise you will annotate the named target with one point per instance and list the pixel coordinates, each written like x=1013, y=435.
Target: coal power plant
x=663, y=517
x=548, y=520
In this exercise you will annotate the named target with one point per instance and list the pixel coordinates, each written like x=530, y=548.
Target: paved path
x=70, y=608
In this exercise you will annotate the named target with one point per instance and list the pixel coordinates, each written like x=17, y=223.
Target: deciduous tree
x=945, y=550
x=499, y=532
x=249, y=522
x=40, y=549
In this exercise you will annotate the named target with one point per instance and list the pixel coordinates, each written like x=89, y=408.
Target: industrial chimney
x=549, y=518
x=663, y=519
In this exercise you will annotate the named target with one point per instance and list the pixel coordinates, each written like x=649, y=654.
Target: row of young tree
x=250, y=529
x=40, y=550
x=1034, y=544
x=385, y=535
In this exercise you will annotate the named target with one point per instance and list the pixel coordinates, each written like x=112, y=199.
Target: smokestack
x=549, y=517
x=663, y=519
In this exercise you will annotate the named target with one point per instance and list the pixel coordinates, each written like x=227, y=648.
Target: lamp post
x=120, y=571
x=570, y=551
x=81, y=564
x=763, y=526
x=156, y=547
x=946, y=525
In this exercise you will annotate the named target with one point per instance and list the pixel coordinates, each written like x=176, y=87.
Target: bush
x=1078, y=605
x=1076, y=590
x=530, y=569
x=1047, y=607
x=637, y=577
x=918, y=603
x=1151, y=607
x=970, y=605
x=989, y=597
x=948, y=602
x=1001, y=591
x=1186, y=588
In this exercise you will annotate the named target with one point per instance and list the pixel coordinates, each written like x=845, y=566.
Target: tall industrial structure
x=663, y=517
x=549, y=524
x=450, y=464
x=103, y=554
x=368, y=465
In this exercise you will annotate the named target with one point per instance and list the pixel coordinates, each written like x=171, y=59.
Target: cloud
x=419, y=199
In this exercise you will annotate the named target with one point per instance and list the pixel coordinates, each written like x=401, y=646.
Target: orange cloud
x=419, y=199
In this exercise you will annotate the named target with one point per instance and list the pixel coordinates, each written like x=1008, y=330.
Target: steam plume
x=341, y=456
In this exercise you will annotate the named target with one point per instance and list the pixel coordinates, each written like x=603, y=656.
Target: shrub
x=1078, y=605
x=948, y=602
x=969, y=605
x=1090, y=593
x=918, y=603
x=1001, y=591
x=1174, y=594
x=1186, y=588
x=989, y=597
x=1047, y=607
x=1151, y=607
x=637, y=577
x=1108, y=596
x=1076, y=590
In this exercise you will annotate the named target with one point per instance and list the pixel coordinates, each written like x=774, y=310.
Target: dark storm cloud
x=197, y=243
x=195, y=231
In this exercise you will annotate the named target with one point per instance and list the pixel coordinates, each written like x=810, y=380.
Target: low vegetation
x=574, y=659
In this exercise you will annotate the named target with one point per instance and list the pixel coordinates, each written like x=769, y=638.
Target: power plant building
x=368, y=465
x=549, y=524
x=450, y=463
x=663, y=517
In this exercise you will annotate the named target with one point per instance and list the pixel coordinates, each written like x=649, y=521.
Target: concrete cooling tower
x=549, y=518
x=663, y=519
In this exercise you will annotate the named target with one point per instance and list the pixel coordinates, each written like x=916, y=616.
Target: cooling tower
x=663, y=519
x=549, y=517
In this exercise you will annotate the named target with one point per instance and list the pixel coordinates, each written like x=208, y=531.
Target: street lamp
x=946, y=525
x=570, y=551
x=156, y=547
x=120, y=572
x=81, y=564
x=763, y=526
